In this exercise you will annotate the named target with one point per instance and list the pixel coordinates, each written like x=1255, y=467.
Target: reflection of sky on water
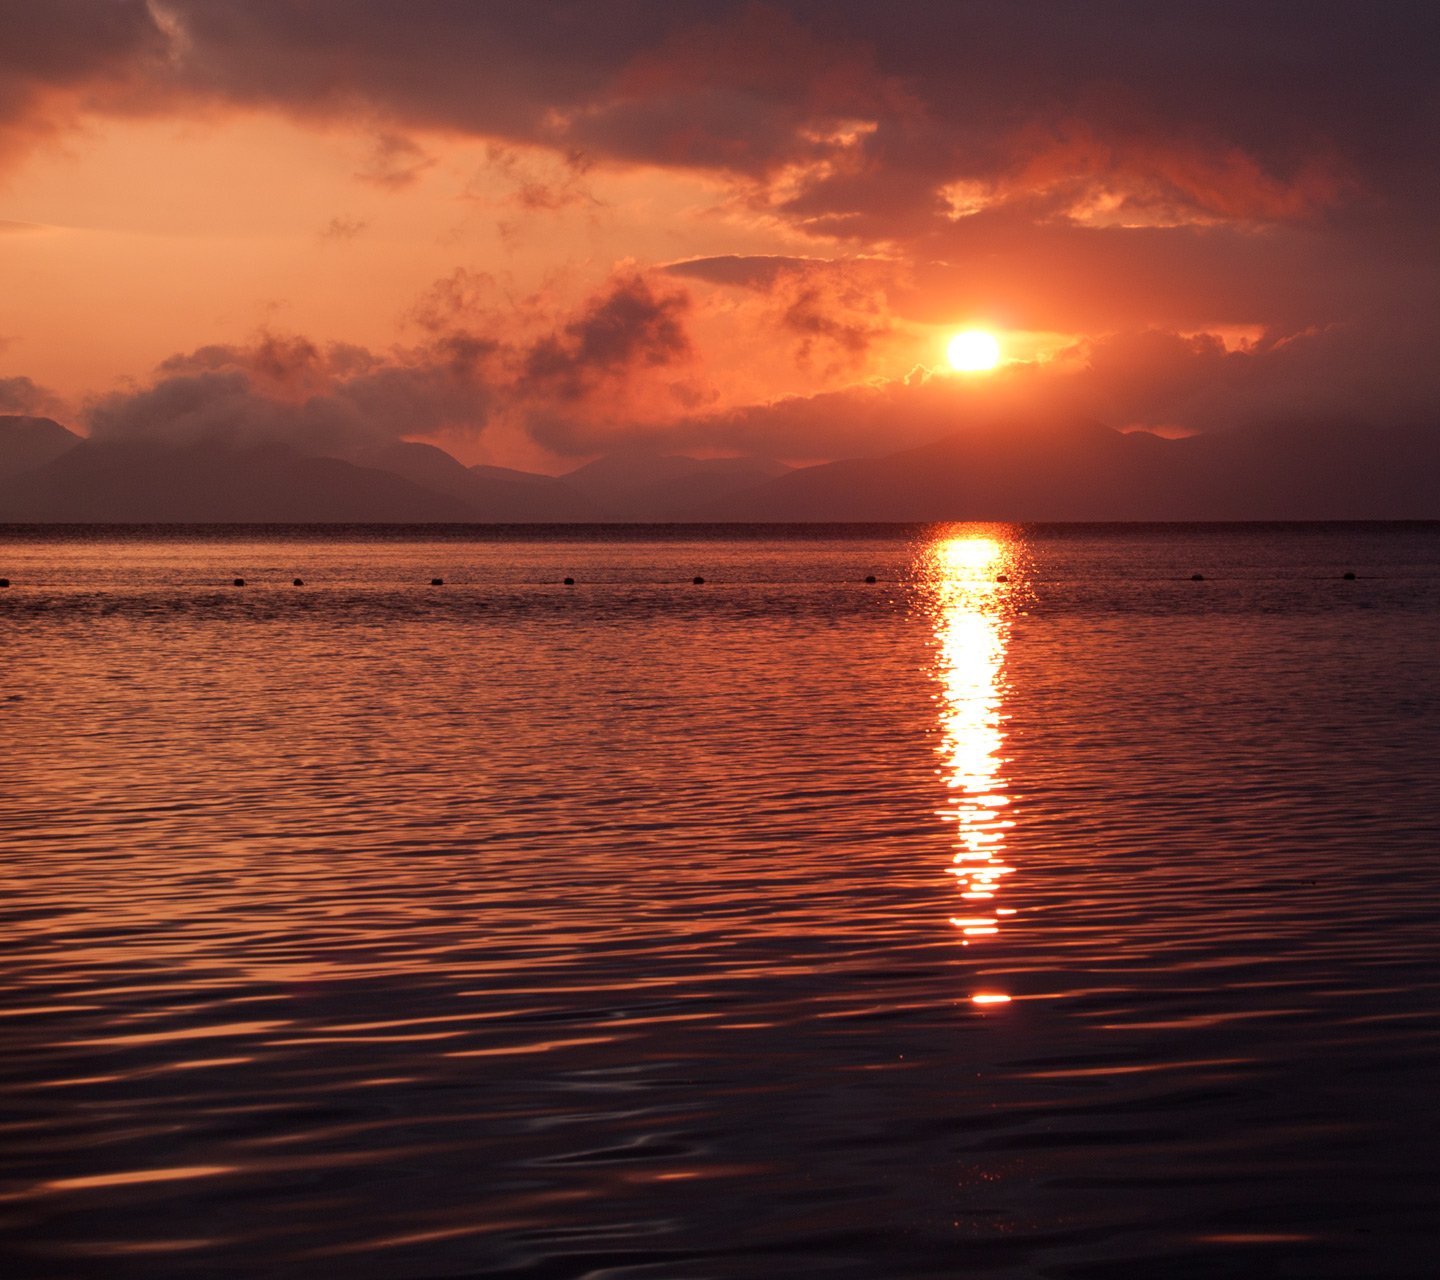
x=970, y=574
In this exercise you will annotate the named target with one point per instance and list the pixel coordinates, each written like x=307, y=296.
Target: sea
x=678, y=902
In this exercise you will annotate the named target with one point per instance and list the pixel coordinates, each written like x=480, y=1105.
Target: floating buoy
x=870, y=578
x=1349, y=577
x=437, y=582
x=1001, y=578
x=239, y=582
x=1197, y=577
x=569, y=582
x=697, y=580
x=299, y=582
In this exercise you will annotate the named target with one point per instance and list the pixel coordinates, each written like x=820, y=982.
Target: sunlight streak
x=972, y=588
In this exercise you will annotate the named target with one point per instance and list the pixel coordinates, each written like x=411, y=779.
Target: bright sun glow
x=974, y=350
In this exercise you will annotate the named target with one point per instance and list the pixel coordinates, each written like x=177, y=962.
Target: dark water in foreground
x=504, y=928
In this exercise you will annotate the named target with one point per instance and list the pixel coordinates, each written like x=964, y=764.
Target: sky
x=538, y=233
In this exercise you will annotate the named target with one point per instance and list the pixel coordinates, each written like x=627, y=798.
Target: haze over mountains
x=1065, y=471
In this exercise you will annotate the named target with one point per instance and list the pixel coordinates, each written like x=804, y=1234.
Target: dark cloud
x=827, y=324
x=1373, y=368
x=758, y=271
x=835, y=312
x=630, y=326
x=22, y=395
x=65, y=56
x=278, y=388
x=564, y=385
x=1260, y=110
x=853, y=121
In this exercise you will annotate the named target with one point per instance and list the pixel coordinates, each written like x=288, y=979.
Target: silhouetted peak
x=27, y=443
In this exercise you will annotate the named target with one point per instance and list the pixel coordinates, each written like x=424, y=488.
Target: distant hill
x=643, y=486
x=515, y=477
x=146, y=482
x=1017, y=471
x=27, y=443
x=497, y=494
x=1085, y=471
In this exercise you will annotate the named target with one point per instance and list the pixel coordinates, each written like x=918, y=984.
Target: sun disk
x=973, y=351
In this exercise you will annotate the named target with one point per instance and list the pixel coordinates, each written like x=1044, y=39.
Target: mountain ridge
x=27, y=443
x=143, y=482
x=1083, y=471
x=1064, y=470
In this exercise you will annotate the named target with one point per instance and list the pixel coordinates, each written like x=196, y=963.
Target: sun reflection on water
x=970, y=572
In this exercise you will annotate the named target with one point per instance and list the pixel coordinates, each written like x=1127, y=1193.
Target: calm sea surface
x=1032, y=911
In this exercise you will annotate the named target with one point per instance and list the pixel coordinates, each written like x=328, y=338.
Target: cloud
x=844, y=327
x=835, y=315
x=838, y=111
x=756, y=271
x=754, y=93
x=24, y=396
x=65, y=58
x=286, y=388
x=848, y=122
x=537, y=185
x=1151, y=379
x=342, y=230
x=395, y=162
x=612, y=360
x=630, y=326
x=616, y=373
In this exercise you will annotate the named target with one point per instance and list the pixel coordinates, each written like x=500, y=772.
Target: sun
x=974, y=351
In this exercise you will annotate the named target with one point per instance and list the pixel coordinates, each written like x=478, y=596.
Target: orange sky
x=135, y=239
x=193, y=178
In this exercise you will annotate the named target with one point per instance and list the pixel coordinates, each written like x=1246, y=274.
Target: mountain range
x=1010, y=471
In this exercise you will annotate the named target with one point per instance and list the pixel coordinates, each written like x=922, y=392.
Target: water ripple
x=512, y=929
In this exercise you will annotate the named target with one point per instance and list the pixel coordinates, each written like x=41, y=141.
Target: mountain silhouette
x=496, y=494
x=146, y=482
x=1083, y=471
x=1010, y=471
x=644, y=486
x=27, y=443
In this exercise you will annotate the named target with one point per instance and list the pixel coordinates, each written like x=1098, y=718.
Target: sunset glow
x=973, y=351
x=591, y=592
x=533, y=245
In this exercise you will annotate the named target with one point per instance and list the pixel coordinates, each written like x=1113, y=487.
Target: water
x=635, y=928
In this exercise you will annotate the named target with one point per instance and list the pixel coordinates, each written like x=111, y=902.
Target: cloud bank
x=561, y=386
x=1200, y=217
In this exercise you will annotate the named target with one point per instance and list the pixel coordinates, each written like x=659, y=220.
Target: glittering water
x=1032, y=911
